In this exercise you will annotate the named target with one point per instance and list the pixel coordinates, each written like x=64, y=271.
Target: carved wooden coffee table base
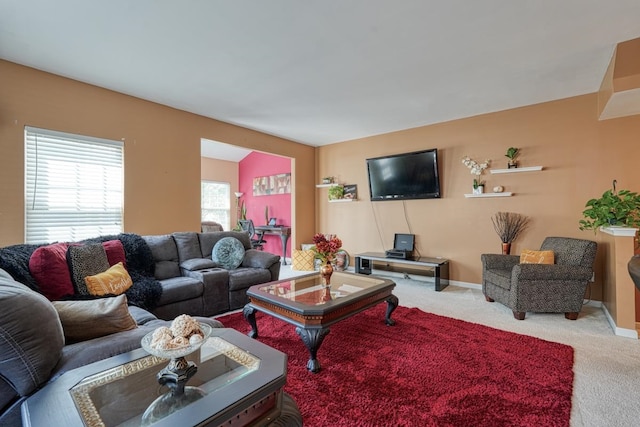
x=312, y=319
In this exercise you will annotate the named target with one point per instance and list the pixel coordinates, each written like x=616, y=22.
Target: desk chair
x=248, y=226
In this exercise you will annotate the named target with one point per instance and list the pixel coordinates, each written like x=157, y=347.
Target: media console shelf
x=366, y=262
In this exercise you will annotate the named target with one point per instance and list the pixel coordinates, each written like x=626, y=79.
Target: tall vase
x=506, y=248
x=325, y=272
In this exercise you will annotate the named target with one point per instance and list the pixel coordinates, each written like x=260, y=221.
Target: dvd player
x=398, y=253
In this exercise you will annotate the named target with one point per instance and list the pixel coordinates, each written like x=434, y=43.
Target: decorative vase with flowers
x=476, y=169
x=325, y=247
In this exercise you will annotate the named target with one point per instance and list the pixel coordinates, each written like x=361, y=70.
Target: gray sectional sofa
x=34, y=346
x=191, y=281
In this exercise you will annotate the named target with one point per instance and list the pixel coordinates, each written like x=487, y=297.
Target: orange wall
x=580, y=155
x=162, y=150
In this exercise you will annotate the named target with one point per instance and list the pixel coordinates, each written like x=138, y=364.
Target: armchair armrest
x=259, y=259
x=547, y=272
x=499, y=261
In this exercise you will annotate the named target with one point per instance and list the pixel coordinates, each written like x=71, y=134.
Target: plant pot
x=512, y=164
x=506, y=248
x=478, y=190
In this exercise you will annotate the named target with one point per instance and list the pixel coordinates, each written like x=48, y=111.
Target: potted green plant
x=327, y=180
x=617, y=208
x=336, y=192
x=512, y=153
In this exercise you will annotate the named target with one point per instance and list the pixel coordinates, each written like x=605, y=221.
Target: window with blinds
x=215, y=203
x=74, y=186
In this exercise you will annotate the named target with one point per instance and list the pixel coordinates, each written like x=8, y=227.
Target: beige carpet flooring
x=606, y=389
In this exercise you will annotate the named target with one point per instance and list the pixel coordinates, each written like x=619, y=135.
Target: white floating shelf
x=341, y=200
x=505, y=194
x=327, y=185
x=516, y=170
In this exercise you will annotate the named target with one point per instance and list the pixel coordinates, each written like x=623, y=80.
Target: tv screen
x=404, y=176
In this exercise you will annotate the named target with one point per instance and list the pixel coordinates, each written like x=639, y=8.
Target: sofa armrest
x=498, y=261
x=259, y=259
x=196, y=264
x=552, y=272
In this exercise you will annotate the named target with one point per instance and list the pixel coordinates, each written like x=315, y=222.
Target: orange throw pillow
x=114, y=281
x=536, y=257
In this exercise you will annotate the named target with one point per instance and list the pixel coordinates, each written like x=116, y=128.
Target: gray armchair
x=543, y=288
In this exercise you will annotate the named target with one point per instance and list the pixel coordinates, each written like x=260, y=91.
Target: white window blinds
x=74, y=186
x=215, y=203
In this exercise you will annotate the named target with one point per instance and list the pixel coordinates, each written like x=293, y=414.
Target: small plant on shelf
x=328, y=180
x=336, y=192
x=512, y=153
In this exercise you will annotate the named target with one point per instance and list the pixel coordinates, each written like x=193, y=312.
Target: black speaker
x=363, y=265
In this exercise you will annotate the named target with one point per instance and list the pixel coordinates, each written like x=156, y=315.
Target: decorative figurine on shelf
x=327, y=180
x=512, y=153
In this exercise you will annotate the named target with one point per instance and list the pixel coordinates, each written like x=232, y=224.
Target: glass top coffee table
x=312, y=307
x=241, y=384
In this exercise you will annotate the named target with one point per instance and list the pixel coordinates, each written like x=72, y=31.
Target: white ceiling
x=319, y=72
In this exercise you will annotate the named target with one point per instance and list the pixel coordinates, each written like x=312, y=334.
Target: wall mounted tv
x=404, y=176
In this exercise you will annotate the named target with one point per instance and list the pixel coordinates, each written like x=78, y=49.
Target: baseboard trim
x=621, y=332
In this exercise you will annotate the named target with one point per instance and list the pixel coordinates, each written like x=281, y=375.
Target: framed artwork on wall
x=270, y=185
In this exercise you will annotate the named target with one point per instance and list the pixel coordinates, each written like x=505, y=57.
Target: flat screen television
x=404, y=176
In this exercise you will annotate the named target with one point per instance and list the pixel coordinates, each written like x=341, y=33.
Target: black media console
x=365, y=263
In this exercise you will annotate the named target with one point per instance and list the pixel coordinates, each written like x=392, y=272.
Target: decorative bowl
x=175, y=353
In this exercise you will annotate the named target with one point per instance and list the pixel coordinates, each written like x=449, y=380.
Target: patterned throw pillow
x=228, y=252
x=114, y=281
x=302, y=260
x=536, y=257
x=86, y=260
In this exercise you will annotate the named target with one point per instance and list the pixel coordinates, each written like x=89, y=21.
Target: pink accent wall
x=256, y=165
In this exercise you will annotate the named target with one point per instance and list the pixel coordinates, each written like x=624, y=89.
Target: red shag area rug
x=427, y=370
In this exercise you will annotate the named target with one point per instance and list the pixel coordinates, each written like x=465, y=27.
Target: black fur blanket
x=144, y=293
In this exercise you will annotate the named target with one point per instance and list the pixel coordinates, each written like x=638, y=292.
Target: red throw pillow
x=48, y=265
x=115, y=252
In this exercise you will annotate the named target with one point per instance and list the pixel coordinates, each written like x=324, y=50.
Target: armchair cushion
x=536, y=257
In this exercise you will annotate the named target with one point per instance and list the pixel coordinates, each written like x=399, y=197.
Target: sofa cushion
x=48, y=265
x=115, y=252
x=228, y=253
x=188, y=245
x=86, y=260
x=243, y=278
x=165, y=254
x=114, y=281
x=180, y=289
x=195, y=264
x=31, y=338
x=85, y=320
x=208, y=240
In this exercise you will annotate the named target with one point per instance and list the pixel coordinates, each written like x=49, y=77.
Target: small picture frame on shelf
x=350, y=191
